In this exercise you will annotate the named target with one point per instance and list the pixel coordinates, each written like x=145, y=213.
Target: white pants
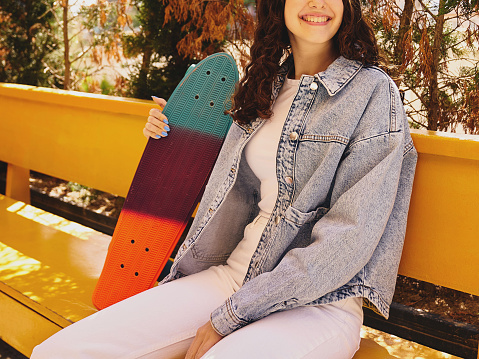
x=162, y=322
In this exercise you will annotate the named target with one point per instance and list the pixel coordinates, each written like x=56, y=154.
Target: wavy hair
x=355, y=40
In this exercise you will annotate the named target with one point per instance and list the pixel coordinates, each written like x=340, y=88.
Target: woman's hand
x=204, y=340
x=157, y=124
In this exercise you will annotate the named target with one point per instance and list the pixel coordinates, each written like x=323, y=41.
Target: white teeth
x=315, y=18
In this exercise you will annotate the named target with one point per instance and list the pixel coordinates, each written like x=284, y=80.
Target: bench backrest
x=97, y=141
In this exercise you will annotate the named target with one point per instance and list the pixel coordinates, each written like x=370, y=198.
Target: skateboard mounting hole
x=223, y=79
x=147, y=249
x=197, y=97
x=212, y=103
x=132, y=241
x=122, y=265
x=136, y=274
x=208, y=72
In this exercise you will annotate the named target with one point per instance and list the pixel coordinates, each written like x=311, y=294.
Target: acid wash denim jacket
x=345, y=166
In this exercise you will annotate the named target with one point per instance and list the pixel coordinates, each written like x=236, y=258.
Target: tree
x=24, y=43
x=174, y=34
x=161, y=40
x=212, y=25
x=160, y=67
x=85, y=35
x=424, y=42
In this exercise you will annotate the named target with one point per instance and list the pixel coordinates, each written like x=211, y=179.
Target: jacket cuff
x=224, y=320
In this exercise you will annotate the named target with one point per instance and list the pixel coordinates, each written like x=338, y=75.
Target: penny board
x=169, y=180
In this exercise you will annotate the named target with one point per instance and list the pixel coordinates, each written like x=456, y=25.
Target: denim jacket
x=345, y=166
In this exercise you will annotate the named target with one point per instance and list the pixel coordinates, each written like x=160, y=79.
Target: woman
x=304, y=215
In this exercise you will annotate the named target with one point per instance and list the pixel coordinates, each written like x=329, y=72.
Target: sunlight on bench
x=51, y=220
x=376, y=344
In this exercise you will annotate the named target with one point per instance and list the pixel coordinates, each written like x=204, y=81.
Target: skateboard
x=169, y=181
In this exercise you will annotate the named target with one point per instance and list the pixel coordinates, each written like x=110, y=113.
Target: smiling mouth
x=315, y=19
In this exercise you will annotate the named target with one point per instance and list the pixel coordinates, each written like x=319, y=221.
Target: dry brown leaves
x=207, y=22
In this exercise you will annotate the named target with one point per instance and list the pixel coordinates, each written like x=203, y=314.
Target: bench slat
x=21, y=327
x=46, y=268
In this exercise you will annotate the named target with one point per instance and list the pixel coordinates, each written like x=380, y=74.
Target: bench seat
x=49, y=269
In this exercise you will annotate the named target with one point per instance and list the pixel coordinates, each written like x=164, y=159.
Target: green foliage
x=465, y=6
x=106, y=87
x=83, y=195
x=25, y=41
x=161, y=66
x=76, y=187
x=100, y=35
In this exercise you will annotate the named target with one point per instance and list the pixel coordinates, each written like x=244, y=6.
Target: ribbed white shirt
x=262, y=148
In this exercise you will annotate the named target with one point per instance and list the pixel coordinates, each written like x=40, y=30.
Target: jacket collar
x=334, y=78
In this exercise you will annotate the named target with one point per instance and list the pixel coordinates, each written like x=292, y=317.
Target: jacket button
x=313, y=86
x=293, y=136
x=289, y=180
x=277, y=219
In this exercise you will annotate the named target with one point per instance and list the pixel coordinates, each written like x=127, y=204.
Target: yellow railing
x=94, y=140
x=97, y=141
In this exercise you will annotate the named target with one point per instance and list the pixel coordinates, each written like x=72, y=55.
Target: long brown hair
x=354, y=40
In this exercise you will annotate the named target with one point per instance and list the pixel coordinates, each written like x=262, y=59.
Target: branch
x=73, y=17
x=81, y=54
x=76, y=34
x=427, y=10
x=88, y=74
x=450, y=47
x=50, y=33
x=450, y=32
x=410, y=102
x=447, y=77
x=410, y=114
x=58, y=20
x=471, y=61
x=53, y=72
x=419, y=96
x=46, y=12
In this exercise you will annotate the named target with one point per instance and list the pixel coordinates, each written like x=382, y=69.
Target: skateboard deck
x=169, y=180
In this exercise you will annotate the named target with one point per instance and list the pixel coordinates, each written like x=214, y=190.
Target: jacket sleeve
x=345, y=238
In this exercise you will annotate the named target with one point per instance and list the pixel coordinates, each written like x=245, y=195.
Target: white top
x=262, y=148
x=261, y=156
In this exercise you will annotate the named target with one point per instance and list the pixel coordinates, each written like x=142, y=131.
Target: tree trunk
x=433, y=105
x=142, y=90
x=404, y=25
x=66, y=82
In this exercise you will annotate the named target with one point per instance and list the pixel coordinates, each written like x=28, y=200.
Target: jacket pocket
x=204, y=256
x=299, y=218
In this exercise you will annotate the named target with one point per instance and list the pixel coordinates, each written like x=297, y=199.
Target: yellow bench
x=49, y=266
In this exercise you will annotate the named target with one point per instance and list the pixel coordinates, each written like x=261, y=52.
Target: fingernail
x=165, y=121
x=157, y=136
x=155, y=97
x=164, y=133
x=167, y=128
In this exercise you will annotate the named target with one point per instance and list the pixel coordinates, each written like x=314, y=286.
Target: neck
x=309, y=60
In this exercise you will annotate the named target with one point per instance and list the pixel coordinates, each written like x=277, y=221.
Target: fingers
x=206, y=337
x=193, y=349
x=157, y=123
x=159, y=101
